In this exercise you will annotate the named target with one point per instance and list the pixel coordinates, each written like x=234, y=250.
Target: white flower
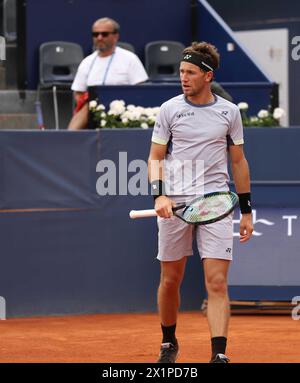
x=136, y=115
x=92, y=104
x=278, y=113
x=253, y=119
x=116, y=103
x=128, y=115
x=140, y=109
x=119, y=110
x=152, y=119
x=117, y=107
x=148, y=112
x=100, y=107
x=243, y=105
x=123, y=115
x=263, y=113
x=130, y=107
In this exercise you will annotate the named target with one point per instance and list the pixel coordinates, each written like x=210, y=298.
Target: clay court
x=130, y=338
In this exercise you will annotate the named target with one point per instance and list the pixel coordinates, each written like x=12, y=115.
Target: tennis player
x=198, y=125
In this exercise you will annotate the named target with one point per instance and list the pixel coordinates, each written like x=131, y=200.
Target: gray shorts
x=175, y=239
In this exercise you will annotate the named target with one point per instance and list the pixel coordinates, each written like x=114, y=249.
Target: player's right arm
x=163, y=204
x=77, y=96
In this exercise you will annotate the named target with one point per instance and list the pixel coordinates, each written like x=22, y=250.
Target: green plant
x=263, y=118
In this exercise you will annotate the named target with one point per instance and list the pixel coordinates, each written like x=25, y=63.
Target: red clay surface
x=125, y=338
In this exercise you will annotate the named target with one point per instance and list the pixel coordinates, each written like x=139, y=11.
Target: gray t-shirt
x=197, y=137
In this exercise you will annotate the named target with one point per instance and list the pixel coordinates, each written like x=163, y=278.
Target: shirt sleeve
x=80, y=80
x=236, y=134
x=136, y=73
x=161, y=132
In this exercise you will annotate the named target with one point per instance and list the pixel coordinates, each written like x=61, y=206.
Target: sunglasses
x=103, y=34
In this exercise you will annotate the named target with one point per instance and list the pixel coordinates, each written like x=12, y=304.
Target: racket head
x=210, y=208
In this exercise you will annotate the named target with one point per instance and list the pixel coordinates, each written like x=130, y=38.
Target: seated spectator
x=108, y=65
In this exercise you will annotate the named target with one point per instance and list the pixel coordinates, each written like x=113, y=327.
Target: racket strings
x=209, y=208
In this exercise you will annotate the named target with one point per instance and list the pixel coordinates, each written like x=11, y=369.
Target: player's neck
x=202, y=98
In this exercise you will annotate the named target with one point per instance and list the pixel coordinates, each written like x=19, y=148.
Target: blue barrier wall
x=66, y=250
x=151, y=95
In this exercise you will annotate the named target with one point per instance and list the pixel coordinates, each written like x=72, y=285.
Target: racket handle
x=142, y=213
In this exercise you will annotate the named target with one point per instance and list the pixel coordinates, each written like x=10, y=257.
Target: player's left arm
x=241, y=177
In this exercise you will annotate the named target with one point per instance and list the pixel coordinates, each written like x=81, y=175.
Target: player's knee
x=170, y=282
x=217, y=285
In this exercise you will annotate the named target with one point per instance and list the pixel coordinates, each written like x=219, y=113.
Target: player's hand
x=163, y=206
x=246, y=227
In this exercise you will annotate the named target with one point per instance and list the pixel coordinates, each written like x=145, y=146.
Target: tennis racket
x=211, y=207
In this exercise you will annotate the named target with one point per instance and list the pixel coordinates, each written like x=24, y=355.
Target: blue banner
x=272, y=256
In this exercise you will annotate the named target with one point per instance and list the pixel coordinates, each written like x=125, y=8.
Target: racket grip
x=142, y=213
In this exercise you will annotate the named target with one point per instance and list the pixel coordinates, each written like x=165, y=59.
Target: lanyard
x=107, y=68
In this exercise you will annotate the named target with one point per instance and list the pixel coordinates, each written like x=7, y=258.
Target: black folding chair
x=127, y=46
x=59, y=61
x=162, y=59
x=10, y=20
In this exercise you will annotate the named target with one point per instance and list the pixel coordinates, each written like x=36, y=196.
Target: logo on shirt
x=189, y=114
x=224, y=112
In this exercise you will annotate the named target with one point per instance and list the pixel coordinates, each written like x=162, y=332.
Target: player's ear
x=209, y=76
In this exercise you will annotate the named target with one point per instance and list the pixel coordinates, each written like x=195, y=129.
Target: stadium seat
x=127, y=46
x=162, y=60
x=58, y=63
x=9, y=20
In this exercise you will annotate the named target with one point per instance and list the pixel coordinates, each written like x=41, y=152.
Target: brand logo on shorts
x=228, y=250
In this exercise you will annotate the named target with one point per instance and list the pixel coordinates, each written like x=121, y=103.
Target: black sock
x=218, y=345
x=169, y=334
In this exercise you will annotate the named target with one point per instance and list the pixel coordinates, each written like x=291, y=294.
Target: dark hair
x=208, y=53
